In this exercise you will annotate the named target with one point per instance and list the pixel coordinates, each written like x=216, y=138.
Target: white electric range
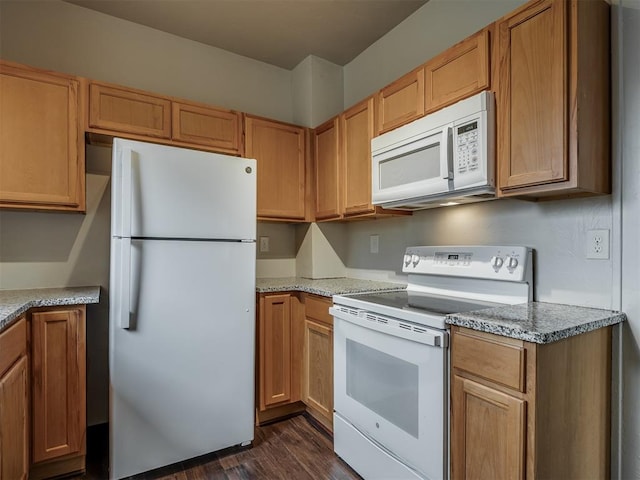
x=391, y=357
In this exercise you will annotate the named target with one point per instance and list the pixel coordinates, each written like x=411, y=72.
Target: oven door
x=413, y=167
x=390, y=383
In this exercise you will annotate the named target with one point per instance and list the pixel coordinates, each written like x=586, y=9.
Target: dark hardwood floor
x=292, y=449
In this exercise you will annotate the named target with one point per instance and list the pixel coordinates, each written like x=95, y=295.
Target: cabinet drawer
x=129, y=111
x=317, y=308
x=13, y=344
x=498, y=359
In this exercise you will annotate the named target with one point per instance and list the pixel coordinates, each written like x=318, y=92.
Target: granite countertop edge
x=326, y=287
x=512, y=321
x=13, y=303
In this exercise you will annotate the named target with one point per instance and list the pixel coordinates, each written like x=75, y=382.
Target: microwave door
x=422, y=166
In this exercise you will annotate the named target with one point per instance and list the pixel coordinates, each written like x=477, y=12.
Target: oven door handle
x=395, y=327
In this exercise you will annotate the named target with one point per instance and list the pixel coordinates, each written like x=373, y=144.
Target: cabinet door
x=327, y=170
x=212, y=127
x=58, y=383
x=458, y=72
x=400, y=102
x=14, y=436
x=41, y=140
x=532, y=96
x=274, y=333
x=279, y=149
x=318, y=370
x=130, y=111
x=487, y=432
x=356, y=132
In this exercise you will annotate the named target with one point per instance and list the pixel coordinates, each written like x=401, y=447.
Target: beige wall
x=430, y=30
x=71, y=39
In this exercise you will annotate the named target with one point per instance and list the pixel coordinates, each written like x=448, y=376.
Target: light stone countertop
x=327, y=287
x=536, y=322
x=14, y=303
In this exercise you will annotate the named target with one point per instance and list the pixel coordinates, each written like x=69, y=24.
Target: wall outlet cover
x=598, y=244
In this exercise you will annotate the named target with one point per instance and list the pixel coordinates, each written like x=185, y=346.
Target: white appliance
x=391, y=357
x=446, y=156
x=182, y=304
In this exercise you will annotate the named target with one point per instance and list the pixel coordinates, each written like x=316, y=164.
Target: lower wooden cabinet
x=278, y=357
x=294, y=359
x=58, y=384
x=14, y=403
x=524, y=410
x=317, y=376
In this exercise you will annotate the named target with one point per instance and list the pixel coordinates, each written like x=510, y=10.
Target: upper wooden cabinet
x=130, y=111
x=400, y=102
x=208, y=126
x=524, y=410
x=41, y=140
x=458, y=72
x=279, y=149
x=327, y=182
x=356, y=132
x=553, y=100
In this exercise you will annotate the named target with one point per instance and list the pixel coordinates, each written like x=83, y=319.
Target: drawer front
x=318, y=309
x=500, y=360
x=13, y=344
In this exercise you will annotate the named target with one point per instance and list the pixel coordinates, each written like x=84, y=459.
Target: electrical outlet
x=374, y=243
x=598, y=244
x=264, y=244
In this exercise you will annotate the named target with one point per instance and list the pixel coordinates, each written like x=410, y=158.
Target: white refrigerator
x=182, y=305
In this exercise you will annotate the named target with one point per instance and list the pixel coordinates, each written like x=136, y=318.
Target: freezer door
x=182, y=363
x=169, y=192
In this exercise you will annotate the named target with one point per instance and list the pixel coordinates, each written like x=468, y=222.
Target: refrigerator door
x=182, y=361
x=169, y=192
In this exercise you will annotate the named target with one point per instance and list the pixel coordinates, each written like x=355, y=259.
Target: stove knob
x=407, y=259
x=496, y=263
x=512, y=263
x=415, y=259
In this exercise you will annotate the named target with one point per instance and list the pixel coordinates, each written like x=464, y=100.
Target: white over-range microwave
x=444, y=158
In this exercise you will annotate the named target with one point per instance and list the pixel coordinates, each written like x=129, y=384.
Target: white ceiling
x=279, y=32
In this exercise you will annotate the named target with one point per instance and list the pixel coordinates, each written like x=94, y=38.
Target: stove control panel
x=512, y=263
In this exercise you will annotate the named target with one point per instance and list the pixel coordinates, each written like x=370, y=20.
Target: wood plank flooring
x=292, y=449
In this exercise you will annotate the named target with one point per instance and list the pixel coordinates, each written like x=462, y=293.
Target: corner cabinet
x=327, y=181
x=280, y=151
x=553, y=100
x=14, y=403
x=58, y=388
x=523, y=410
x=42, y=163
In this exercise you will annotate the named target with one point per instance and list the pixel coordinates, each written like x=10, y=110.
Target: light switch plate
x=264, y=244
x=374, y=243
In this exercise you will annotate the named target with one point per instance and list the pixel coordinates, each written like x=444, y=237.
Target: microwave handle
x=446, y=154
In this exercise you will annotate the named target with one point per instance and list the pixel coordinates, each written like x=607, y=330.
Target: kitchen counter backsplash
x=14, y=303
x=326, y=287
x=537, y=322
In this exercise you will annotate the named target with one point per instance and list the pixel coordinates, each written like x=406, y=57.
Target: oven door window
x=394, y=391
x=384, y=384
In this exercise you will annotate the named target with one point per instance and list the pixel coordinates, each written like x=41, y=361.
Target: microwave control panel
x=467, y=147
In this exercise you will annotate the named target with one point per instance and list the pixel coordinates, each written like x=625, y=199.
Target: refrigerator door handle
x=124, y=292
x=125, y=214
